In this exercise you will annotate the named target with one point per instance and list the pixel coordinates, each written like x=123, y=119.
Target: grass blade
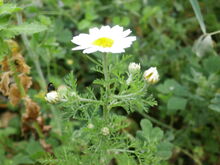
x=196, y=8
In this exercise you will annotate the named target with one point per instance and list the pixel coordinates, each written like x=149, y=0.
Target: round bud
x=151, y=75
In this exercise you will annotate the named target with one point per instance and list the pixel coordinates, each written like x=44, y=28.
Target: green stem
x=32, y=54
x=38, y=129
x=131, y=94
x=213, y=33
x=197, y=161
x=106, y=75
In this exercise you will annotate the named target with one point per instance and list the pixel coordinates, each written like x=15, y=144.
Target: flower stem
x=106, y=75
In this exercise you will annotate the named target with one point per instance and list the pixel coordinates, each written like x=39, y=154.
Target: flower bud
x=105, y=131
x=52, y=97
x=151, y=75
x=134, y=68
x=62, y=91
x=90, y=126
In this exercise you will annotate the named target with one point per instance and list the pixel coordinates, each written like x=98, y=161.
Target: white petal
x=93, y=31
x=117, y=29
x=90, y=50
x=80, y=47
x=126, y=33
x=80, y=39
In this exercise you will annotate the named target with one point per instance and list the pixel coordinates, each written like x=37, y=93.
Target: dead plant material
x=5, y=118
x=26, y=81
x=14, y=94
x=20, y=64
x=5, y=64
x=4, y=83
x=32, y=109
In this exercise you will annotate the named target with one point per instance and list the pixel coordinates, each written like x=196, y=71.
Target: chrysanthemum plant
x=100, y=131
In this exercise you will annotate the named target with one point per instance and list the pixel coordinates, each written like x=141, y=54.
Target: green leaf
x=165, y=150
x=148, y=132
x=212, y=64
x=172, y=86
x=8, y=9
x=7, y=131
x=65, y=36
x=22, y=159
x=215, y=103
x=198, y=14
x=124, y=159
x=27, y=28
x=3, y=49
x=176, y=103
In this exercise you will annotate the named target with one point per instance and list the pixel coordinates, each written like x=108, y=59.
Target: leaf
x=176, y=103
x=165, y=150
x=212, y=64
x=148, y=132
x=198, y=14
x=8, y=9
x=172, y=86
x=215, y=103
x=22, y=159
x=203, y=45
x=27, y=28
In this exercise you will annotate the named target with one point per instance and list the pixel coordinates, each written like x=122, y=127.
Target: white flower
x=52, y=97
x=105, y=131
x=134, y=68
x=151, y=75
x=105, y=39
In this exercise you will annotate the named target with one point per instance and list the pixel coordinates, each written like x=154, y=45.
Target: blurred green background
x=188, y=93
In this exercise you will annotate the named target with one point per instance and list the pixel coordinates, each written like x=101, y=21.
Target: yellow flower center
x=103, y=42
x=148, y=76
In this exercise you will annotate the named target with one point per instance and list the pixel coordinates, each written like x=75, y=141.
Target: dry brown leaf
x=4, y=83
x=20, y=64
x=47, y=147
x=32, y=108
x=5, y=118
x=25, y=80
x=14, y=94
x=5, y=64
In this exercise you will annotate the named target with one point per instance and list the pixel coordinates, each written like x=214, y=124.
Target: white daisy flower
x=105, y=39
x=151, y=75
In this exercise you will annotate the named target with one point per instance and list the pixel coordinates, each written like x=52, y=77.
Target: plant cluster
x=101, y=107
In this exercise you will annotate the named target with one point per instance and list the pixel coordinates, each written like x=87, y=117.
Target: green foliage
x=178, y=37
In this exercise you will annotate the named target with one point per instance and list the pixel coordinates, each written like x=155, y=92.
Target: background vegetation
x=173, y=35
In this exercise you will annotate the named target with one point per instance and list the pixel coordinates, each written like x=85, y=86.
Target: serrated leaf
x=215, y=103
x=8, y=9
x=27, y=29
